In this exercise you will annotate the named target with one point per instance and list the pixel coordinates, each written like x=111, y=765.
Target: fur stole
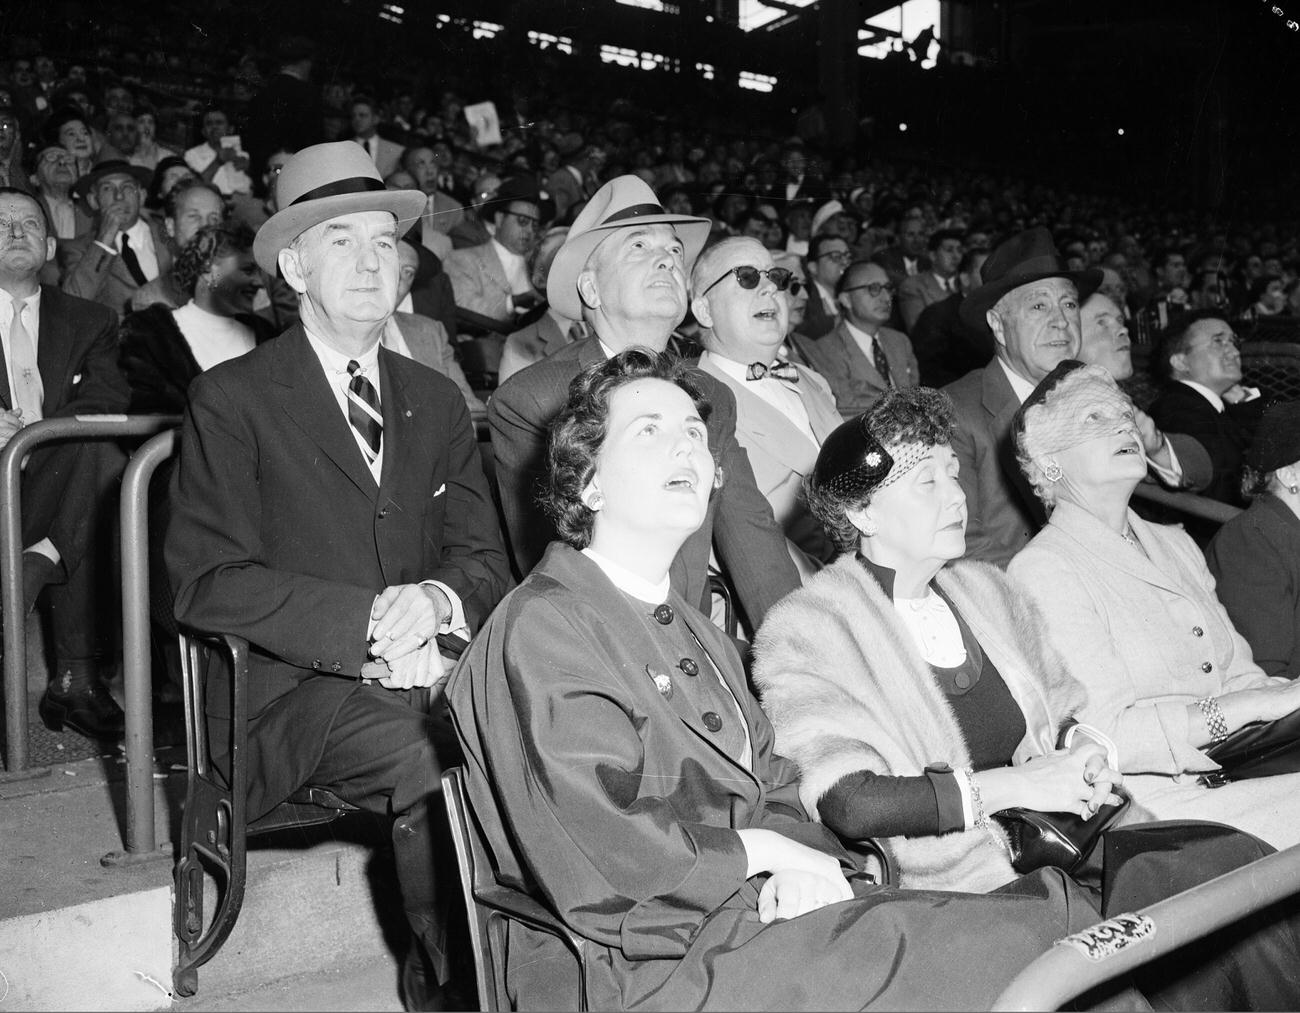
x=846, y=689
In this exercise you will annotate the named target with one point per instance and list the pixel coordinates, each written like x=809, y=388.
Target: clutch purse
x=1063, y=840
x=1258, y=750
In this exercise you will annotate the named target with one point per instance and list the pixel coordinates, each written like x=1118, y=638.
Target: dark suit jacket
x=76, y=354
x=529, y=344
x=915, y=293
x=1255, y=559
x=891, y=259
x=853, y=377
x=90, y=271
x=1225, y=435
x=817, y=323
x=946, y=348
x=750, y=545
x=281, y=535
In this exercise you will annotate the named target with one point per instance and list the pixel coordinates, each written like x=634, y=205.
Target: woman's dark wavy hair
x=578, y=432
x=210, y=244
x=902, y=415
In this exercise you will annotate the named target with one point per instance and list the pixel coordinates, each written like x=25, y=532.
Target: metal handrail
x=1188, y=503
x=137, y=667
x=11, y=549
x=1118, y=945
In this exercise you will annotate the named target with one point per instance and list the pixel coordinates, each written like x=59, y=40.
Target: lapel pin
x=662, y=682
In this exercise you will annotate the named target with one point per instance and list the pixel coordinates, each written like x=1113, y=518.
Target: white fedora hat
x=623, y=202
x=324, y=181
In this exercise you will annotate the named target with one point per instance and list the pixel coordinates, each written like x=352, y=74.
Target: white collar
x=1206, y=393
x=630, y=583
x=335, y=361
x=1021, y=387
x=858, y=334
x=738, y=371
x=33, y=303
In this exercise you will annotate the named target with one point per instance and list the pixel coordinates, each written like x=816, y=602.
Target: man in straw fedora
x=623, y=269
x=330, y=507
x=1029, y=303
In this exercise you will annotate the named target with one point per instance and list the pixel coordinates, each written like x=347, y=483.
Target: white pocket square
x=441, y=489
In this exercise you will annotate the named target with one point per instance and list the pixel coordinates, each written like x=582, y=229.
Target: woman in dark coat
x=623, y=773
x=163, y=349
x=1255, y=557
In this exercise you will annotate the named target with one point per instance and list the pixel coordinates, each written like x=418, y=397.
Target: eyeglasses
x=873, y=288
x=117, y=190
x=839, y=256
x=748, y=277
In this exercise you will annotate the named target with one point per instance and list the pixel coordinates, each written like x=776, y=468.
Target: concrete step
x=75, y=935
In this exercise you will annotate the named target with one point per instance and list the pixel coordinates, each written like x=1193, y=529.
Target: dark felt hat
x=110, y=167
x=1277, y=440
x=851, y=462
x=1026, y=257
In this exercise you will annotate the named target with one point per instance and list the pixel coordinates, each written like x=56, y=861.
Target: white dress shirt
x=335, y=364
x=227, y=179
x=865, y=341
x=31, y=320
x=515, y=268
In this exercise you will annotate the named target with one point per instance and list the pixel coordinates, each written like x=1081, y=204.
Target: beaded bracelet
x=1214, y=720
x=977, y=800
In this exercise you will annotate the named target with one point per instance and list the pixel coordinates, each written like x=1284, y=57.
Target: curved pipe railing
x=27, y=439
x=1118, y=945
x=137, y=667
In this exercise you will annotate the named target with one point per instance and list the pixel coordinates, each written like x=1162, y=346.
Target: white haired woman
x=1131, y=608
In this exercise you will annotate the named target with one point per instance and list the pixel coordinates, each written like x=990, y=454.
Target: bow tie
x=778, y=371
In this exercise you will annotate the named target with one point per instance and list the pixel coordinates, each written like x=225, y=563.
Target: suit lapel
x=859, y=365
x=1156, y=567
x=309, y=401
x=53, y=350
x=1000, y=402
x=496, y=274
x=400, y=424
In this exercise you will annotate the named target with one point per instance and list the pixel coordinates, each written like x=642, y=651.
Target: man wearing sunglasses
x=783, y=411
x=623, y=270
x=492, y=278
x=861, y=358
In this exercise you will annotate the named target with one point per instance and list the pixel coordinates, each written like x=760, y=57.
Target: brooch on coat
x=661, y=681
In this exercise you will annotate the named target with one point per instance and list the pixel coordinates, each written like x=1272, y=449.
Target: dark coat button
x=664, y=614
x=1197, y=631
x=383, y=512
x=1206, y=667
x=712, y=722
x=689, y=666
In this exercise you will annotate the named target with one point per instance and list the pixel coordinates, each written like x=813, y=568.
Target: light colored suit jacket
x=91, y=272
x=852, y=376
x=528, y=344
x=479, y=281
x=916, y=293
x=1144, y=633
x=427, y=340
x=782, y=456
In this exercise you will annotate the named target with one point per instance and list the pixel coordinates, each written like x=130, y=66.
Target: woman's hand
x=1246, y=706
x=1076, y=780
x=768, y=851
x=790, y=893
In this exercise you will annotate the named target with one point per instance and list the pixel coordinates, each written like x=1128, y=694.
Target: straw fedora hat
x=622, y=202
x=324, y=181
x=1025, y=257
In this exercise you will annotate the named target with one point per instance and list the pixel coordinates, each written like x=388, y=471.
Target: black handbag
x=1063, y=840
x=1258, y=750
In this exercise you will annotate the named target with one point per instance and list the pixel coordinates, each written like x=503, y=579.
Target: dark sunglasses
x=749, y=277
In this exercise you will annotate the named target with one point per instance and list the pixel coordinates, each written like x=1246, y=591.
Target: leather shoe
x=91, y=712
x=421, y=991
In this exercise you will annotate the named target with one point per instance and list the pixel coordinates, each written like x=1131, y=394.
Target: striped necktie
x=364, y=412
